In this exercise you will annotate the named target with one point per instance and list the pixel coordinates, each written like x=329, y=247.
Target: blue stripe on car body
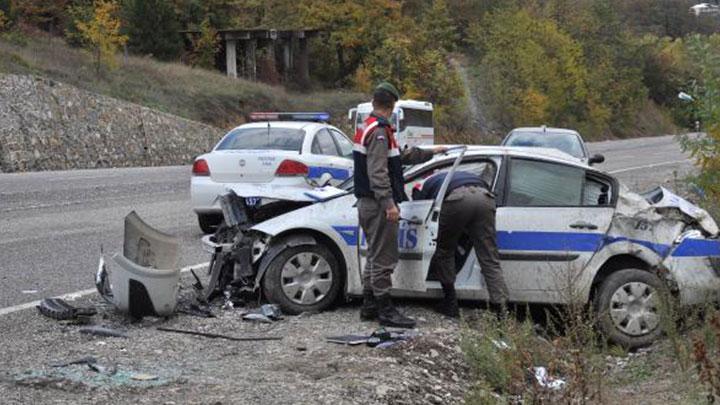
x=338, y=174
x=574, y=242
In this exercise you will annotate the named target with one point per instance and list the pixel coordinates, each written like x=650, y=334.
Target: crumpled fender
x=276, y=248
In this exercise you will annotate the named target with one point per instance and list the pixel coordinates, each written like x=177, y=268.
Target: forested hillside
x=605, y=67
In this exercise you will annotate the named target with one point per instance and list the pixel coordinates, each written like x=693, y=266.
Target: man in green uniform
x=379, y=187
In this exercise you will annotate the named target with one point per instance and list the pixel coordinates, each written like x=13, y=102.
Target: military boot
x=449, y=304
x=388, y=315
x=369, y=310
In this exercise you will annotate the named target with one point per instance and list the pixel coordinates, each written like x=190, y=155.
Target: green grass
x=196, y=94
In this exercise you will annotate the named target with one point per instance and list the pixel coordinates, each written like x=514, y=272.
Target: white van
x=412, y=119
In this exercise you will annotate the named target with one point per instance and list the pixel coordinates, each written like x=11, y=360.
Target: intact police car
x=278, y=151
x=566, y=233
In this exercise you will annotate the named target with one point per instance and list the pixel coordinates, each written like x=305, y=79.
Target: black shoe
x=388, y=315
x=449, y=304
x=369, y=310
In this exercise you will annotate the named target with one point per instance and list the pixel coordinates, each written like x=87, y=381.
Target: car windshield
x=566, y=142
x=263, y=138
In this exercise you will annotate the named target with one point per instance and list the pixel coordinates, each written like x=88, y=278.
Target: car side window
x=323, y=144
x=486, y=168
x=542, y=184
x=596, y=193
x=346, y=147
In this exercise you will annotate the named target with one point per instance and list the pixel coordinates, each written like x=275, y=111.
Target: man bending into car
x=468, y=208
x=379, y=187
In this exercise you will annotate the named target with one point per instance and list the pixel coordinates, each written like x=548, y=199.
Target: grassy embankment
x=196, y=94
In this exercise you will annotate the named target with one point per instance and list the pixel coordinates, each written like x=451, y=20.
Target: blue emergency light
x=290, y=116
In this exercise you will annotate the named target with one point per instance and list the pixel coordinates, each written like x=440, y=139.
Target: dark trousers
x=382, y=246
x=470, y=210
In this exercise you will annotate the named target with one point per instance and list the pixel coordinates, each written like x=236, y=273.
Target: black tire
x=637, y=323
x=274, y=282
x=209, y=222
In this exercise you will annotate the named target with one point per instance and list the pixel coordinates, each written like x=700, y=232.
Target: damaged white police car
x=566, y=232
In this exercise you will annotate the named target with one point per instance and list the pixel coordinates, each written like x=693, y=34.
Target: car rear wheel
x=303, y=279
x=628, y=307
x=209, y=222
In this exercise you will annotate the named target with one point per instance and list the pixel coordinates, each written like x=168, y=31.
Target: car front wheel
x=303, y=279
x=628, y=307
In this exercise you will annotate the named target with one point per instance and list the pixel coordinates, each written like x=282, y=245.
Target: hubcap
x=306, y=278
x=633, y=309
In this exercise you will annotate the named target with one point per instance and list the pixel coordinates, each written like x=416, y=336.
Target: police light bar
x=290, y=116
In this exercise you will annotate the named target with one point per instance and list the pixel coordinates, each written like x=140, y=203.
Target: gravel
x=167, y=368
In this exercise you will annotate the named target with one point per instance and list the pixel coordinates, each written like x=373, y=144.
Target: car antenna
x=268, y=133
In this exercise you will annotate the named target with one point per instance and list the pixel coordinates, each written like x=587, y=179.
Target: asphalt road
x=53, y=224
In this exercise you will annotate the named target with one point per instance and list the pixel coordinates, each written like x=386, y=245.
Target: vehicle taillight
x=200, y=168
x=291, y=168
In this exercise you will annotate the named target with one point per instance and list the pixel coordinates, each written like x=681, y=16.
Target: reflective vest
x=362, y=139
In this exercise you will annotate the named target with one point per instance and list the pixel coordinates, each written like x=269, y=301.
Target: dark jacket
x=431, y=186
x=378, y=162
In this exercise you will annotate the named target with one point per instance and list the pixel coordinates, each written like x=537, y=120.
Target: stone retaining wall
x=46, y=125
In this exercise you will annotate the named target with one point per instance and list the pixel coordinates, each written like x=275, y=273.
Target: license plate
x=252, y=201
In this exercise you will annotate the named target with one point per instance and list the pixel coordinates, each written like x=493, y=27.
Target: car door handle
x=583, y=225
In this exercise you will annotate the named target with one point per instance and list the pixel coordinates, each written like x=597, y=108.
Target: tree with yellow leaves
x=102, y=33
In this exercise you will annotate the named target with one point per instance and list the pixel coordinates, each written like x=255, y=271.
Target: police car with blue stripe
x=275, y=151
x=567, y=233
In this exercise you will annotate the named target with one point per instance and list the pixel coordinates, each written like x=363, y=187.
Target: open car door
x=417, y=236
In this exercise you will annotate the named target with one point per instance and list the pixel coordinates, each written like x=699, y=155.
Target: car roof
x=308, y=126
x=546, y=129
x=549, y=154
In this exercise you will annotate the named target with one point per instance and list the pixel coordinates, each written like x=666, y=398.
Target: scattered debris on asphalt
x=380, y=338
x=104, y=331
x=266, y=313
x=193, y=309
x=60, y=310
x=219, y=336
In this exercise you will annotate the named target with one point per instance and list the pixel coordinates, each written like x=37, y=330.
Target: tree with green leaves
x=439, y=26
x=152, y=28
x=535, y=73
x=205, y=46
x=704, y=52
x=102, y=33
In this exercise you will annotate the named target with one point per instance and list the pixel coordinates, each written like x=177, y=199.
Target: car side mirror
x=597, y=158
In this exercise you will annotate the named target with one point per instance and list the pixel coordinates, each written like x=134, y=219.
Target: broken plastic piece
x=102, y=331
x=59, y=309
x=256, y=317
x=144, y=278
x=544, y=379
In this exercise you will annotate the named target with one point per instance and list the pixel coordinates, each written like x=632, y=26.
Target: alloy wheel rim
x=634, y=309
x=306, y=278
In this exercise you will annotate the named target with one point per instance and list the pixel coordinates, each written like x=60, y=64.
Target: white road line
x=78, y=294
x=629, y=169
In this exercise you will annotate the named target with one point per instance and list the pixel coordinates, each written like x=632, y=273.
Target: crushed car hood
x=662, y=205
x=287, y=193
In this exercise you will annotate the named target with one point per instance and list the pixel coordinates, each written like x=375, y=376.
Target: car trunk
x=246, y=166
